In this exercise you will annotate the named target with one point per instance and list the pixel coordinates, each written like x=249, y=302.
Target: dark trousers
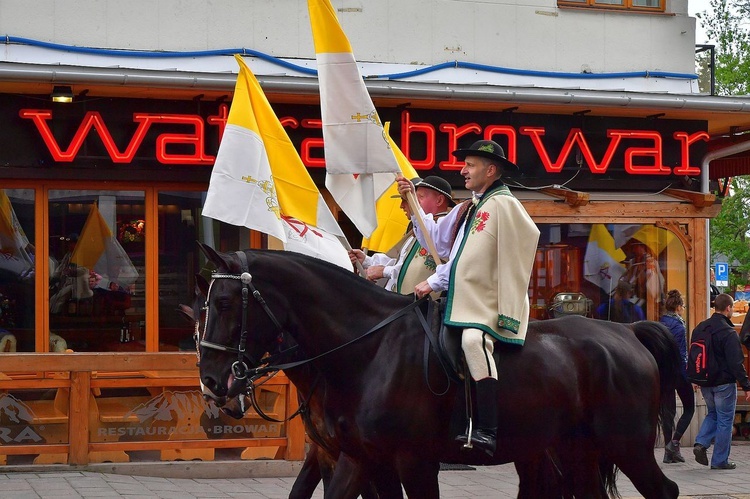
x=687, y=397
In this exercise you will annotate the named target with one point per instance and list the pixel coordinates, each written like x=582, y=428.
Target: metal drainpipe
x=719, y=153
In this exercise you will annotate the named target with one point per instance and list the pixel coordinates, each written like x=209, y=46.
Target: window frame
x=627, y=5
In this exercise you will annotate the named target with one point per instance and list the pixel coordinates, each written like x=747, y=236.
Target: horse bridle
x=239, y=367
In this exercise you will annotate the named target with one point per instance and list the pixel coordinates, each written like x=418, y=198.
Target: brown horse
x=583, y=391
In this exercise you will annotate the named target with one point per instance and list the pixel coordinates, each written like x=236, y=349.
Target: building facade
x=621, y=160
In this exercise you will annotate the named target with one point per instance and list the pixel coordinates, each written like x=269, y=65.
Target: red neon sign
x=639, y=160
x=93, y=120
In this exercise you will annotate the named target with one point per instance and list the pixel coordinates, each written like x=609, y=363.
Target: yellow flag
x=601, y=263
x=7, y=231
x=13, y=240
x=359, y=163
x=655, y=238
x=392, y=221
x=323, y=21
x=93, y=240
x=258, y=175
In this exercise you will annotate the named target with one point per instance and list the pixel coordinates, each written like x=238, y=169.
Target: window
x=97, y=269
x=17, y=250
x=642, y=5
x=180, y=226
x=578, y=268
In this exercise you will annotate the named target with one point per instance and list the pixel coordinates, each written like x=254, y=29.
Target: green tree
x=727, y=23
x=729, y=231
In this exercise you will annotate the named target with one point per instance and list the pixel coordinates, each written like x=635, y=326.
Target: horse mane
x=334, y=274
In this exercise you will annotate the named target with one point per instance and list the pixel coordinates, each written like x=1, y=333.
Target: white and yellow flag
x=258, y=175
x=392, y=221
x=97, y=249
x=14, y=256
x=601, y=263
x=359, y=161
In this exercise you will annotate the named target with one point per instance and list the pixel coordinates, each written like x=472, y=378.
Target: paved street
x=496, y=482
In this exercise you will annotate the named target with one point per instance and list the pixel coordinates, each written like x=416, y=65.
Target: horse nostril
x=216, y=388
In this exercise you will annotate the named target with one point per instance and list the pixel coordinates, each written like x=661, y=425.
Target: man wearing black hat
x=490, y=245
x=414, y=264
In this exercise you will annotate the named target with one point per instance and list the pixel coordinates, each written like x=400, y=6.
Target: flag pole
x=348, y=248
x=411, y=198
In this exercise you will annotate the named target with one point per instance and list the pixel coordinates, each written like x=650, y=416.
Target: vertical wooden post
x=295, y=428
x=78, y=417
x=152, y=270
x=698, y=272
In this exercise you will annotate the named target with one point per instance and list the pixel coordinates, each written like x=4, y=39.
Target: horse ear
x=218, y=259
x=186, y=312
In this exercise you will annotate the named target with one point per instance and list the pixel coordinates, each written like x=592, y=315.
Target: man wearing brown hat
x=414, y=264
x=490, y=246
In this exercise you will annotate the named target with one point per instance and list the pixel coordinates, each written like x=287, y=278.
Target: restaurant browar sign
x=577, y=150
x=168, y=415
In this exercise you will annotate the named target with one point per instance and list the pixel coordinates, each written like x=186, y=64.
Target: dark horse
x=323, y=449
x=584, y=391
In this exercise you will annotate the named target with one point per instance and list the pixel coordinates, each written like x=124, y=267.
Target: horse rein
x=240, y=369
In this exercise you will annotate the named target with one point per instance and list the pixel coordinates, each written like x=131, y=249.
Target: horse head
x=195, y=314
x=238, y=326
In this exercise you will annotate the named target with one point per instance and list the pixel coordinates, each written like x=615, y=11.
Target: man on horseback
x=490, y=245
x=414, y=264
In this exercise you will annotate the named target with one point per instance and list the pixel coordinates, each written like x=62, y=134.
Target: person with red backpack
x=716, y=364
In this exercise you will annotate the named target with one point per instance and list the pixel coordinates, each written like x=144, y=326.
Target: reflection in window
x=97, y=258
x=180, y=226
x=17, y=270
x=578, y=268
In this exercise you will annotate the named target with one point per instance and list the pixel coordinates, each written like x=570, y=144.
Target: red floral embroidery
x=422, y=252
x=480, y=221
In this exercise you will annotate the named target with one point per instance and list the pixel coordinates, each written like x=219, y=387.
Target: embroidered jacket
x=489, y=266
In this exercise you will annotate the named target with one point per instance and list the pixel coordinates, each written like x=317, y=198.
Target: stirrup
x=468, y=444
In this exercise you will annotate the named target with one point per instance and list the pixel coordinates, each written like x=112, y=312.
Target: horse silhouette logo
x=174, y=406
x=14, y=410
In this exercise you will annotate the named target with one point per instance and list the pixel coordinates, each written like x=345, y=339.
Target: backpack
x=702, y=366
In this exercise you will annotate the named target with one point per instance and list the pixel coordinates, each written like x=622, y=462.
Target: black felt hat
x=438, y=184
x=487, y=149
x=414, y=181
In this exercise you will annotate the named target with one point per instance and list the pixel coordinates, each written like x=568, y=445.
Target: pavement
x=265, y=480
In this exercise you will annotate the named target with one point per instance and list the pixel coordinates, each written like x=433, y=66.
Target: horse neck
x=325, y=306
x=330, y=327
x=330, y=309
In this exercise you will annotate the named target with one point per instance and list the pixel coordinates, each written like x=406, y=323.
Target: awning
x=730, y=166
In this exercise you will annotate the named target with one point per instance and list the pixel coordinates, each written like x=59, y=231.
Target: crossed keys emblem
x=372, y=117
x=300, y=227
x=269, y=189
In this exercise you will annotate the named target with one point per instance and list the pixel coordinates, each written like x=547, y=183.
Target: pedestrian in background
x=720, y=391
x=620, y=308
x=674, y=306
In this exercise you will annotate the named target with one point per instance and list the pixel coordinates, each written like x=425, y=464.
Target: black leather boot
x=484, y=435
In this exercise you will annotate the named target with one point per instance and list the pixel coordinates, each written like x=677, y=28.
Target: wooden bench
x=107, y=415
x=271, y=399
x=186, y=427
x=50, y=417
x=46, y=418
x=741, y=412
